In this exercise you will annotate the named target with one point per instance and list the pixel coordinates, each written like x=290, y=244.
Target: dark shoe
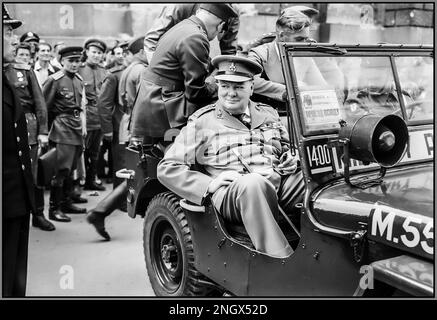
x=78, y=199
x=98, y=221
x=69, y=207
x=93, y=186
x=42, y=223
x=59, y=216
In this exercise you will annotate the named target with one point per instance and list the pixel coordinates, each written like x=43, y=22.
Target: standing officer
x=23, y=79
x=173, y=14
x=93, y=74
x=64, y=94
x=256, y=132
x=17, y=185
x=174, y=86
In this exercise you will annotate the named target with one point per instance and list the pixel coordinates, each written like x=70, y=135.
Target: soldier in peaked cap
x=21, y=76
x=244, y=192
x=33, y=40
x=17, y=185
x=174, y=86
x=64, y=93
x=93, y=75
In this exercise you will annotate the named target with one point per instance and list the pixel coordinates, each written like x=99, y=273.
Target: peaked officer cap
x=223, y=11
x=95, y=43
x=69, y=52
x=136, y=45
x=235, y=68
x=7, y=20
x=29, y=36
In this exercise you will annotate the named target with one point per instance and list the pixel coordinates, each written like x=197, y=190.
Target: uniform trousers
x=15, y=246
x=67, y=157
x=91, y=154
x=253, y=200
x=39, y=190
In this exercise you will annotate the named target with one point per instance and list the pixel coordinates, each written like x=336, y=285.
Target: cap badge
x=232, y=67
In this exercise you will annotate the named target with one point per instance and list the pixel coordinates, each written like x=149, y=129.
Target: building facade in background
x=337, y=22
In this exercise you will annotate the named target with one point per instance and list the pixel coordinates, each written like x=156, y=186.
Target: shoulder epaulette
x=22, y=66
x=202, y=111
x=78, y=76
x=58, y=75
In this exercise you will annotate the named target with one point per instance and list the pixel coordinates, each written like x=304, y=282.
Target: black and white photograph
x=209, y=151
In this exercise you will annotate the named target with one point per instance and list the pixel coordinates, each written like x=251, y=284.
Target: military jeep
x=365, y=226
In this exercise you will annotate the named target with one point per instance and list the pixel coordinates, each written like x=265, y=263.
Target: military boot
x=55, y=213
x=112, y=201
x=38, y=219
x=76, y=194
x=67, y=205
x=90, y=182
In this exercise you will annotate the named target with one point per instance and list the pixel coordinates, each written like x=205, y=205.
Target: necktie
x=244, y=119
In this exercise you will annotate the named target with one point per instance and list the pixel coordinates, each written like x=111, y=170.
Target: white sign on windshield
x=321, y=109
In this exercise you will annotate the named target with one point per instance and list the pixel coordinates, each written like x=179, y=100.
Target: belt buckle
x=76, y=113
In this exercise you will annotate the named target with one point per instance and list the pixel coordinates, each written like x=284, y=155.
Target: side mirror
x=373, y=138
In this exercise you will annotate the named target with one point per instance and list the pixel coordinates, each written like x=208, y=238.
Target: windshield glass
x=345, y=88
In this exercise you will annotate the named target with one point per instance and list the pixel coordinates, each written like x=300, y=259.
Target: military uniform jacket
x=93, y=76
x=130, y=81
x=17, y=186
x=110, y=110
x=64, y=96
x=207, y=141
x=23, y=79
x=173, y=14
x=174, y=86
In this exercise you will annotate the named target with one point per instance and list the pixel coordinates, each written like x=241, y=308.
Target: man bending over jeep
x=244, y=154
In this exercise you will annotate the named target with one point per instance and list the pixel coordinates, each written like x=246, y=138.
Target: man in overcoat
x=17, y=185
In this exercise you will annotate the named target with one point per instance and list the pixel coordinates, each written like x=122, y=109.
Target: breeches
x=66, y=157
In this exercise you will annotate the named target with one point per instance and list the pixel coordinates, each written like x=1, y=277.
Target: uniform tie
x=244, y=119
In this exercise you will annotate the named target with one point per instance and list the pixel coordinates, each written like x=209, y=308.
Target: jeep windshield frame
x=372, y=61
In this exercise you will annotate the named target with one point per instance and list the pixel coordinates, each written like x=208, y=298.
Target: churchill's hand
x=288, y=163
x=223, y=179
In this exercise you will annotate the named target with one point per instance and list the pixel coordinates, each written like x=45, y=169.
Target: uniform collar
x=196, y=20
x=257, y=117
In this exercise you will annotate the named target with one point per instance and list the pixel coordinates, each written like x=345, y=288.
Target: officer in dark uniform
x=17, y=185
x=64, y=94
x=24, y=80
x=174, y=86
x=93, y=75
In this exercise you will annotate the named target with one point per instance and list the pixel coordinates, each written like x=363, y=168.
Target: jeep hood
x=399, y=212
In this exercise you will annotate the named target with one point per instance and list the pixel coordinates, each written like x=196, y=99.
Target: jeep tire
x=168, y=250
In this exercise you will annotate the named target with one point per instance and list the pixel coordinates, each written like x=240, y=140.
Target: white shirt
x=41, y=73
